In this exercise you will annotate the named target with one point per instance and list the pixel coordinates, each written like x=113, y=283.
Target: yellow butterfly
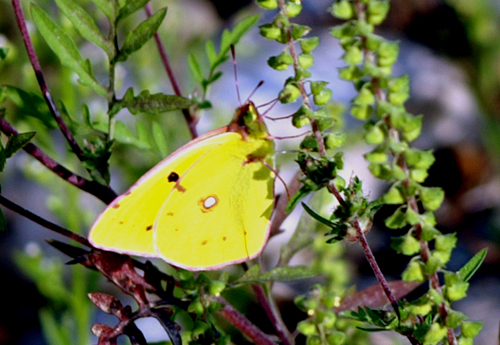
x=205, y=206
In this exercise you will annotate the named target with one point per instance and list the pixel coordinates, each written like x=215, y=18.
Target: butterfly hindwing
x=219, y=210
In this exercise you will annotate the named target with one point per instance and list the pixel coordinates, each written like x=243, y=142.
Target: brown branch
x=42, y=83
x=243, y=324
x=101, y=192
x=43, y=222
x=190, y=119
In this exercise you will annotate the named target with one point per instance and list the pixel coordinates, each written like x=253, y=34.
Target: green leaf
x=107, y=7
x=159, y=138
x=194, y=66
x=52, y=330
x=210, y=51
x=30, y=104
x=17, y=142
x=3, y=222
x=233, y=37
x=468, y=270
x=123, y=135
x=65, y=48
x=85, y=25
x=319, y=218
x=150, y=103
x=3, y=53
x=130, y=7
x=141, y=34
x=280, y=274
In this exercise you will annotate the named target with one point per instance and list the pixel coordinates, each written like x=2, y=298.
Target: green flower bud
x=280, y=62
x=339, y=182
x=374, y=136
x=364, y=97
x=377, y=11
x=418, y=175
x=298, y=31
x=465, y=341
x=268, y=4
x=305, y=60
x=302, y=117
x=457, y=291
x=335, y=338
x=431, y=197
x=413, y=272
x=454, y=318
x=343, y=10
x=289, y=94
x=422, y=310
x=377, y=156
x=309, y=44
x=471, y=329
x=361, y=112
x=394, y=196
x=216, y=287
x=196, y=307
x=199, y=329
x=435, y=334
x=293, y=9
x=333, y=141
x=314, y=340
x=410, y=245
x=445, y=242
x=306, y=327
x=381, y=171
x=433, y=264
x=270, y=31
x=373, y=42
x=387, y=53
x=353, y=56
x=309, y=143
x=435, y=297
x=323, y=97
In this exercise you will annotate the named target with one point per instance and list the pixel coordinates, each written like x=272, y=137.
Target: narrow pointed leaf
x=65, y=48
x=130, y=7
x=194, y=66
x=17, y=142
x=30, y=104
x=125, y=136
x=281, y=274
x=318, y=217
x=140, y=35
x=468, y=270
x=159, y=138
x=85, y=24
x=107, y=7
x=150, y=103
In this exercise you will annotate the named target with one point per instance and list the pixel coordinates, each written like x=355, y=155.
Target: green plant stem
x=43, y=222
x=272, y=313
x=190, y=119
x=104, y=193
x=42, y=83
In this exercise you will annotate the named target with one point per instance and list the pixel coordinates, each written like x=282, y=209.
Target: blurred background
x=450, y=49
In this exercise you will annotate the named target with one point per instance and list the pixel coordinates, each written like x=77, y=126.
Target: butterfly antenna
x=255, y=89
x=233, y=53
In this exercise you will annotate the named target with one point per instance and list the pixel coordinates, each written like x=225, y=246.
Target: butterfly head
x=248, y=122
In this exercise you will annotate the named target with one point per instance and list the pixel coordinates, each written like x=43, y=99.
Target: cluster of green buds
x=292, y=35
x=322, y=324
x=200, y=322
x=390, y=128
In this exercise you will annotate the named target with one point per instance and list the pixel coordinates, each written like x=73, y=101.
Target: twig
x=101, y=192
x=243, y=324
x=272, y=314
x=43, y=222
x=43, y=84
x=191, y=121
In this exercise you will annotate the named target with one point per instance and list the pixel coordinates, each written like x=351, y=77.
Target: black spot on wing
x=149, y=227
x=173, y=177
x=204, y=242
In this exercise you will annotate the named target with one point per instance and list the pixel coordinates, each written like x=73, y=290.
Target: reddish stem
x=101, y=192
x=191, y=121
x=42, y=83
x=243, y=324
x=45, y=223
